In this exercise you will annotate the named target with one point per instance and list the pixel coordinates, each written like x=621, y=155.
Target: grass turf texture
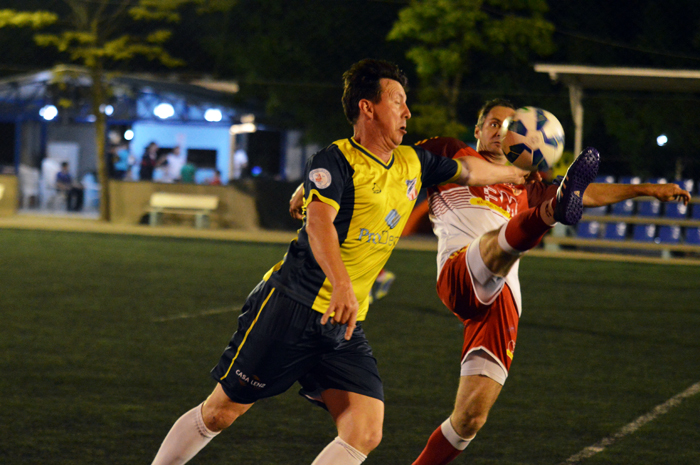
x=92, y=374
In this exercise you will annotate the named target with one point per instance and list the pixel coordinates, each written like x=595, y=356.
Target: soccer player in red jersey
x=482, y=232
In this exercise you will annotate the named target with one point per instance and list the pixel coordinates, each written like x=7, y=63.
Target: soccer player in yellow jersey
x=303, y=320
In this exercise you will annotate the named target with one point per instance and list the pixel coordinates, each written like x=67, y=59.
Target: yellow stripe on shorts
x=247, y=333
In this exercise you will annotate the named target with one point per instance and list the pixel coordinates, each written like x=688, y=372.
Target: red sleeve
x=447, y=147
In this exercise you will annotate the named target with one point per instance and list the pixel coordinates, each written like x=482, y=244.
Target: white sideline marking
x=183, y=316
x=634, y=426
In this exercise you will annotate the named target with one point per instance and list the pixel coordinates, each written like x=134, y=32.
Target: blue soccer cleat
x=581, y=173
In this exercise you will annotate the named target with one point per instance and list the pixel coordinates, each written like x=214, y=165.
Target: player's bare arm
x=325, y=245
x=600, y=194
x=478, y=172
x=296, y=203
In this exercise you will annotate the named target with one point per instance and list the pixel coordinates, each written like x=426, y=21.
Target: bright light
x=242, y=128
x=91, y=118
x=256, y=171
x=164, y=110
x=213, y=115
x=107, y=110
x=250, y=118
x=48, y=112
x=662, y=140
x=128, y=134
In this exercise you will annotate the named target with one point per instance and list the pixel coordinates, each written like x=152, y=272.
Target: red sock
x=438, y=451
x=526, y=229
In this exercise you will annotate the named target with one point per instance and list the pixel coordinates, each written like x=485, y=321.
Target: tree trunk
x=98, y=99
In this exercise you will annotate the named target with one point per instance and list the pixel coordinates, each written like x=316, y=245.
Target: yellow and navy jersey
x=373, y=200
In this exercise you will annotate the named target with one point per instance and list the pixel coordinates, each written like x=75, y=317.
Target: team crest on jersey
x=392, y=219
x=411, y=191
x=321, y=177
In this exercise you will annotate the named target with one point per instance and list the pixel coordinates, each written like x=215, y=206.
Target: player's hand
x=344, y=308
x=296, y=203
x=533, y=177
x=520, y=176
x=669, y=192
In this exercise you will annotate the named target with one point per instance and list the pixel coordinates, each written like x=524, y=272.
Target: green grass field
x=106, y=340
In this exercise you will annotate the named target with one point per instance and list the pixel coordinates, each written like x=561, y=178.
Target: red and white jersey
x=460, y=214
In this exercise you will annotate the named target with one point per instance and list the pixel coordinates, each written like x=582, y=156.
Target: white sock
x=339, y=452
x=186, y=438
x=457, y=441
x=505, y=246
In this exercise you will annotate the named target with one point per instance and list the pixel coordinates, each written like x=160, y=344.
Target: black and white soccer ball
x=532, y=139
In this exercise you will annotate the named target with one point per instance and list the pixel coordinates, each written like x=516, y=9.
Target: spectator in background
x=73, y=190
x=122, y=161
x=216, y=179
x=173, y=163
x=240, y=163
x=187, y=173
x=149, y=161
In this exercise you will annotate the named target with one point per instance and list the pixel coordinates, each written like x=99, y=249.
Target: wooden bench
x=200, y=206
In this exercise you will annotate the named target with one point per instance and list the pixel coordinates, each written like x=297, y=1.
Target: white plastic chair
x=28, y=184
x=91, y=192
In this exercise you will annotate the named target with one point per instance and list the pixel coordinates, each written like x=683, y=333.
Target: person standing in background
x=149, y=161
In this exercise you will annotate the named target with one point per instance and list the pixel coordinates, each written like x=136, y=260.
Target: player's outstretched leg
x=525, y=230
x=582, y=172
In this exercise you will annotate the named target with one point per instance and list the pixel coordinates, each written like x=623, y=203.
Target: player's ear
x=477, y=132
x=366, y=108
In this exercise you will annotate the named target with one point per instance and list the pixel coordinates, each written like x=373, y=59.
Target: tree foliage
x=289, y=56
x=445, y=36
x=34, y=19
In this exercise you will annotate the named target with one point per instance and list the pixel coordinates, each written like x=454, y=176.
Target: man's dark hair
x=488, y=106
x=361, y=81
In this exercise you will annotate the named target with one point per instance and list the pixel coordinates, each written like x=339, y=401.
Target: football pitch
x=106, y=340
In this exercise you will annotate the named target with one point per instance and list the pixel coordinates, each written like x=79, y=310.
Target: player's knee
x=469, y=423
x=371, y=440
x=366, y=439
x=218, y=417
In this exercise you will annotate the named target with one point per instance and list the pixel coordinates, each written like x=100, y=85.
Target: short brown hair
x=362, y=81
x=488, y=106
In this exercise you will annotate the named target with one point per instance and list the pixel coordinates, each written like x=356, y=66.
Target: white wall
x=192, y=136
x=81, y=134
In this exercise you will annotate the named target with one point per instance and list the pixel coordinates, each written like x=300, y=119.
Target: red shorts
x=494, y=327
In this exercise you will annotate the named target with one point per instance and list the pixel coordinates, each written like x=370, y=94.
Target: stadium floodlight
x=662, y=140
x=164, y=110
x=128, y=134
x=213, y=115
x=48, y=112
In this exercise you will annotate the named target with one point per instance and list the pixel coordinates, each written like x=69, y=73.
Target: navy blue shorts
x=280, y=341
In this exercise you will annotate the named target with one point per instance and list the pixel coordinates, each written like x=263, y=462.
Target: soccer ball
x=532, y=139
